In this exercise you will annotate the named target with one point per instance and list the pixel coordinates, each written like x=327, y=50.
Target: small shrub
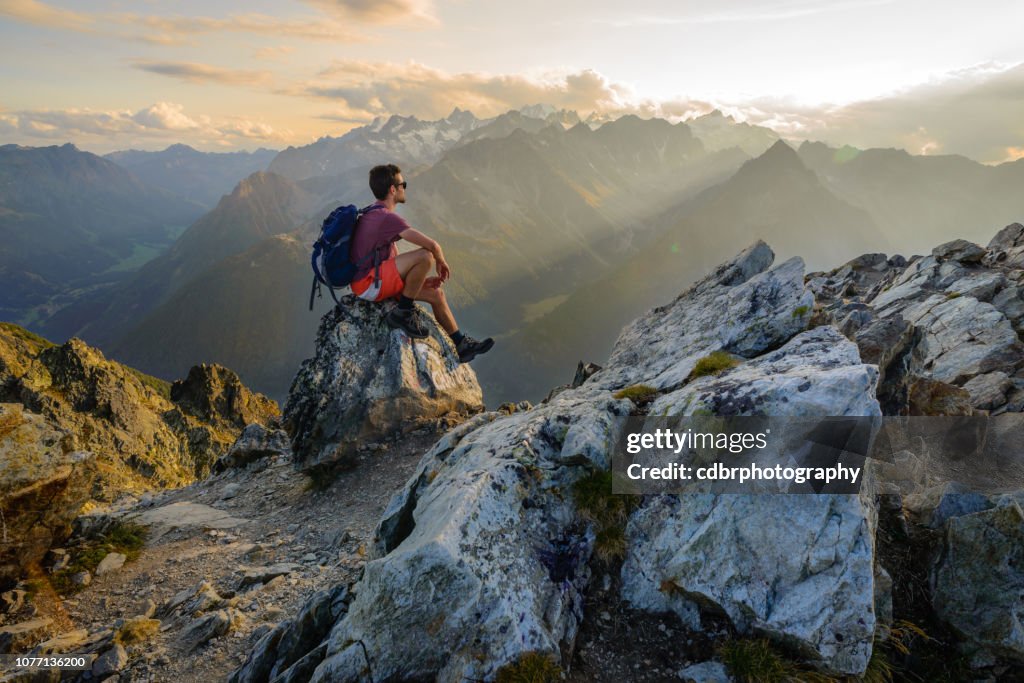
x=713, y=364
x=801, y=311
x=137, y=630
x=532, y=667
x=638, y=393
x=755, y=661
x=879, y=670
x=127, y=538
x=608, y=511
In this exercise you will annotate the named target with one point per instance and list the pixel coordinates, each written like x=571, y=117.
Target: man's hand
x=433, y=283
x=443, y=271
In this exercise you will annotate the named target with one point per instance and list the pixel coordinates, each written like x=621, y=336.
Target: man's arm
x=420, y=240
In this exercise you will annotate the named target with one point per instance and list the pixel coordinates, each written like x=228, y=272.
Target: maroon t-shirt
x=378, y=229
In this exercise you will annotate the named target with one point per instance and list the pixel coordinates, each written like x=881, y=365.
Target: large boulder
x=366, y=382
x=810, y=586
x=978, y=581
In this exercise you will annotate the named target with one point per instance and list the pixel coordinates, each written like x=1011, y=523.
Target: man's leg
x=442, y=312
x=414, y=267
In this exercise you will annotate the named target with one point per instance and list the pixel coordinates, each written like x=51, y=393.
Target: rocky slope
x=490, y=562
x=81, y=427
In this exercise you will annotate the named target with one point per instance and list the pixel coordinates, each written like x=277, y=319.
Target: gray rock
x=988, y=391
x=187, y=514
x=883, y=603
x=476, y=562
x=255, y=442
x=14, y=637
x=740, y=308
x=1007, y=248
x=812, y=586
x=706, y=672
x=62, y=644
x=81, y=579
x=12, y=600
x=192, y=601
x=205, y=628
x=257, y=575
x=934, y=506
x=816, y=372
x=978, y=580
x=959, y=250
x=111, y=562
x=110, y=662
x=293, y=640
x=367, y=382
x=230, y=491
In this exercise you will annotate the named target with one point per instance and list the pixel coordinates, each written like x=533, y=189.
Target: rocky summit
x=367, y=382
x=77, y=427
x=502, y=554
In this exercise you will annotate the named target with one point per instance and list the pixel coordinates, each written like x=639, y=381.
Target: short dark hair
x=382, y=178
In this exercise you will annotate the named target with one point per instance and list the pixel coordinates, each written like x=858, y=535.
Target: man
x=404, y=276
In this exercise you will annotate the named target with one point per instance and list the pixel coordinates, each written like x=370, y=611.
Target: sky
x=930, y=76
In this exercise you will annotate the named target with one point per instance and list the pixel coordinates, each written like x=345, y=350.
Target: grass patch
x=801, y=311
x=127, y=538
x=532, y=667
x=137, y=630
x=638, y=393
x=713, y=364
x=23, y=334
x=608, y=511
x=158, y=385
x=756, y=661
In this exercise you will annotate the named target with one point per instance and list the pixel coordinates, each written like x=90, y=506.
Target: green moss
x=127, y=538
x=953, y=295
x=532, y=667
x=713, y=364
x=638, y=393
x=608, y=511
x=158, y=385
x=801, y=311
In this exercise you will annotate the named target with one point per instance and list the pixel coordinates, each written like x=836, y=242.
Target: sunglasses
x=404, y=184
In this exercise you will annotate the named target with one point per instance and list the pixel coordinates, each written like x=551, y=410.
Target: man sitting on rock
x=405, y=276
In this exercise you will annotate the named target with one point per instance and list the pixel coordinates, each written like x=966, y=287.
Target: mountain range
x=557, y=230
x=201, y=177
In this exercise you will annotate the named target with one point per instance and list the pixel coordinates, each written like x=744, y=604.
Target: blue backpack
x=332, y=252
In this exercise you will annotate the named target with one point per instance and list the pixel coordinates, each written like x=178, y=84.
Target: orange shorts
x=391, y=284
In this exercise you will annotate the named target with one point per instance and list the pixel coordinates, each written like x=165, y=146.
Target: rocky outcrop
x=367, y=383
x=954, y=317
x=43, y=485
x=80, y=427
x=483, y=557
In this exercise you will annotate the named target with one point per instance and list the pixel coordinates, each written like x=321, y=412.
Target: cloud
x=41, y=14
x=155, y=125
x=718, y=14
x=274, y=52
x=977, y=112
x=420, y=90
x=178, y=30
x=378, y=12
x=194, y=72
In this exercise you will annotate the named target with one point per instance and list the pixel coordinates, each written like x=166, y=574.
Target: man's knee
x=424, y=256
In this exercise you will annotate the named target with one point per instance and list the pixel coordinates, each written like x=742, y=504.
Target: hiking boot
x=408, y=321
x=470, y=348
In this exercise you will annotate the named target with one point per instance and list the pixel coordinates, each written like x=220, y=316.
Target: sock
x=405, y=303
x=456, y=337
